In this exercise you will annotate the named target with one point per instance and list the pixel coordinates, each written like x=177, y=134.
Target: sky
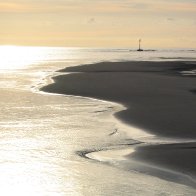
x=98, y=23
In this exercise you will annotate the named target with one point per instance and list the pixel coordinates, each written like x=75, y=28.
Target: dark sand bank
x=157, y=98
x=180, y=155
x=168, y=159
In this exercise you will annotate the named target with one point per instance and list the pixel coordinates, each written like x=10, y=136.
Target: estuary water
x=44, y=137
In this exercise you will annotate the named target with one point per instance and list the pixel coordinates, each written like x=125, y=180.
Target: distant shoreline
x=158, y=99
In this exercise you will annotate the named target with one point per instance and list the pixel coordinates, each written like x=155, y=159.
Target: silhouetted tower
x=140, y=45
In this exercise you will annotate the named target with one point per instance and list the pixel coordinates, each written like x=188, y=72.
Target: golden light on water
x=27, y=168
x=41, y=134
x=17, y=57
x=21, y=57
x=30, y=164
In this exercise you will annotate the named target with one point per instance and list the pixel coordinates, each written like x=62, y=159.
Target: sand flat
x=158, y=99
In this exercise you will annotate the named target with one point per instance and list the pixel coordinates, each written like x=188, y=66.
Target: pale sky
x=98, y=23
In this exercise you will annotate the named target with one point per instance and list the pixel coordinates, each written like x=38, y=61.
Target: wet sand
x=157, y=97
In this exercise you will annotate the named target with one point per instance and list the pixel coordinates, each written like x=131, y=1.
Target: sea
x=61, y=145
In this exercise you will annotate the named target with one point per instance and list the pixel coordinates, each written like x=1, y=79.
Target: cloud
x=97, y=6
x=12, y=7
x=170, y=19
x=91, y=21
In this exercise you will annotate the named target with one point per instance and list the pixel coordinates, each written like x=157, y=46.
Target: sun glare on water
x=18, y=57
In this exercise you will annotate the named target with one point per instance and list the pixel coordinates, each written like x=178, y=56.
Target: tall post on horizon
x=140, y=45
